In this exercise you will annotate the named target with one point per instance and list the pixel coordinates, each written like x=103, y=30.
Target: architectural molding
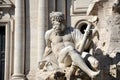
x=5, y=5
x=79, y=6
x=8, y=24
x=5, y=1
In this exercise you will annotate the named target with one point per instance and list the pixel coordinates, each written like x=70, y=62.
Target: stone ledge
x=18, y=77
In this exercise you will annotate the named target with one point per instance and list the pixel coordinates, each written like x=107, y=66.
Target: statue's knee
x=96, y=64
x=70, y=48
x=93, y=62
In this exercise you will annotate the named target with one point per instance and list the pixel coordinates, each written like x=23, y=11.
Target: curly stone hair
x=58, y=16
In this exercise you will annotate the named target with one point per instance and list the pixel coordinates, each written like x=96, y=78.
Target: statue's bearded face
x=58, y=26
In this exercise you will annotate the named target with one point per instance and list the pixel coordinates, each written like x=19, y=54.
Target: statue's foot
x=95, y=65
x=94, y=74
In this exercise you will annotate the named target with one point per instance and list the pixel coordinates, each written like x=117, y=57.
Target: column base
x=18, y=77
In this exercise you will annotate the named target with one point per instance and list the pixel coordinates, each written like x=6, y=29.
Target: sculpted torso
x=58, y=42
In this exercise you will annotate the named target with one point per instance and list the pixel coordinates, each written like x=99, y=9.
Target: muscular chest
x=64, y=38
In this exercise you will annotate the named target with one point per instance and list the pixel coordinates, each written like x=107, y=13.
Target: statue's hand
x=89, y=33
x=95, y=33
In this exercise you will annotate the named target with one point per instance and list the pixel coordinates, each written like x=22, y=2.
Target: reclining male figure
x=62, y=41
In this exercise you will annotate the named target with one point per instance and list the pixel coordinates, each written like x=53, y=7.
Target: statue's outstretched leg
x=93, y=62
x=77, y=60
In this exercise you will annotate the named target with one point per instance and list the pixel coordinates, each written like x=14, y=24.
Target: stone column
x=19, y=40
x=41, y=28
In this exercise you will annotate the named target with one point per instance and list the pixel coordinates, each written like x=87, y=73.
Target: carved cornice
x=4, y=5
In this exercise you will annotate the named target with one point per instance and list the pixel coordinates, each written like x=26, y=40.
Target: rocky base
x=60, y=75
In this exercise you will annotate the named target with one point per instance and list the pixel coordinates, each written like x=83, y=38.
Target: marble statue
x=67, y=45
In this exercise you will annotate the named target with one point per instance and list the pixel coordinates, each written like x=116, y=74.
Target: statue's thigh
x=64, y=53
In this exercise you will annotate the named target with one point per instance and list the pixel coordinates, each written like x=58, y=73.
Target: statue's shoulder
x=48, y=32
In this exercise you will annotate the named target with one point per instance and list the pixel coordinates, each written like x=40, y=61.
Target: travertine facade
x=25, y=23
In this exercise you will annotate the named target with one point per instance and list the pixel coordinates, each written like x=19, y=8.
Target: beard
x=61, y=30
